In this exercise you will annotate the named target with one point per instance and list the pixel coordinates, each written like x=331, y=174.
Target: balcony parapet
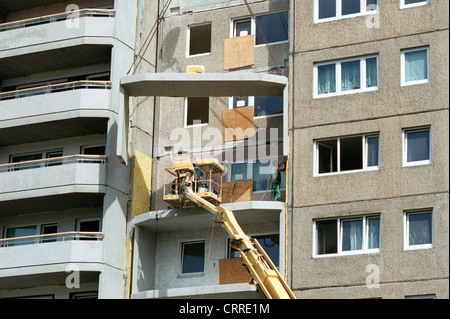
x=56, y=17
x=49, y=238
x=53, y=88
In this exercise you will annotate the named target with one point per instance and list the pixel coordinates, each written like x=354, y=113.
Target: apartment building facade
x=63, y=189
x=95, y=110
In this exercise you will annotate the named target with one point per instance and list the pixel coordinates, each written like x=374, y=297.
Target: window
x=264, y=106
x=415, y=66
x=346, y=76
x=199, y=39
x=326, y=10
x=412, y=3
x=416, y=146
x=343, y=236
x=259, y=170
x=196, y=110
x=270, y=243
x=342, y=154
x=49, y=229
x=93, y=150
x=21, y=231
x=418, y=229
x=274, y=27
x=193, y=257
x=34, y=157
x=88, y=225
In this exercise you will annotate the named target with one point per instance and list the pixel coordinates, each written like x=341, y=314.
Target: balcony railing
x=54, y=88
x=94, y=159
x=50, y=238
x=57, y=17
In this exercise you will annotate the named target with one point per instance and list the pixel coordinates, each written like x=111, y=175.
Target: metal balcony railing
x=57, y=17
x=50, y=238
x=54, y=88
x=89, y=159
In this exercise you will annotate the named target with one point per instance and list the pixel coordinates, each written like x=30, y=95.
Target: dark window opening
x=197, y=110
x=200, y=39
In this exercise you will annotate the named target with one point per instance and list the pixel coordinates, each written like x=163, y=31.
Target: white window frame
x=251, y=102
x=191, y=274
x=338, y=77
x=365, y=148
x=340, y=252
x=185, y=116
x=405, y=146
x=188, y=40
x=406, y=214
x=339, y=15
x=253, y=27
x=403, y=67
x=412, y=5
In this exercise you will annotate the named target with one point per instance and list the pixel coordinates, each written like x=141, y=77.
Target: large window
x=415, y=66
x=270, y=243
x=416, y=146
x=326, y=10
x=193, y=257
x=264, y=106
x=349, y=153
x=346, y=76
x=343, y=236
x=418, y=229
x=31, y=157
x=199, y=39
x=259, y=170
x=196, y=111
x=274, y=27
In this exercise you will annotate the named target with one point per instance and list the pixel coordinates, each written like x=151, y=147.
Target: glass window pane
x=193, y=257
x=23, y=231
x=351, y=6
x=275, y=27
x=268, y=105
x=271, y=245
x=262, y=171
x=373, y=233
x=350, y=75
x=418, y=146
x=413, y=1
x=242, y=28
x=326, y=78
x=326, y=237
x=239, y=172
x=420, y=229
x=372, y=151
x=327, y=9
x=371, y=72
x=352, y=235
x=371, y=5
x=327, y=156
x=351, y=153
x=416, y=67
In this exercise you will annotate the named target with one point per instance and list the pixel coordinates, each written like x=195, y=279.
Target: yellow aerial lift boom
x=262, y=271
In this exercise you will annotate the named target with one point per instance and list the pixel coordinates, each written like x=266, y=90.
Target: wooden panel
x=240, y=191
x=231, y=271
x=238, y=124
x=238, y=52
x=142, y=184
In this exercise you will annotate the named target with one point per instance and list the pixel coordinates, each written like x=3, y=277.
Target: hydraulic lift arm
x=262, y=270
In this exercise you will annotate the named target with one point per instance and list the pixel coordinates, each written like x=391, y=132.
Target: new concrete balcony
x=87, y=26
x=158, y=251
x=64, y=182
x=70, y=107
x=49, y=259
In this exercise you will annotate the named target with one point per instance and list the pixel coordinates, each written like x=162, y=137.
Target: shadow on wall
x=170, y=42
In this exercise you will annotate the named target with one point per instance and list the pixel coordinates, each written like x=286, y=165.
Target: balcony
x=60, y=182
x=158, y=244
x=45, y=259
x=71, y=109
x=87, y=26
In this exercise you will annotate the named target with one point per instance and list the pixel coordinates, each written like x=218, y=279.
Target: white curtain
x=371, y=72
x=374, y=233
x=416, y=65
x=350, y=72
x=352, y=235
x=327, y=78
